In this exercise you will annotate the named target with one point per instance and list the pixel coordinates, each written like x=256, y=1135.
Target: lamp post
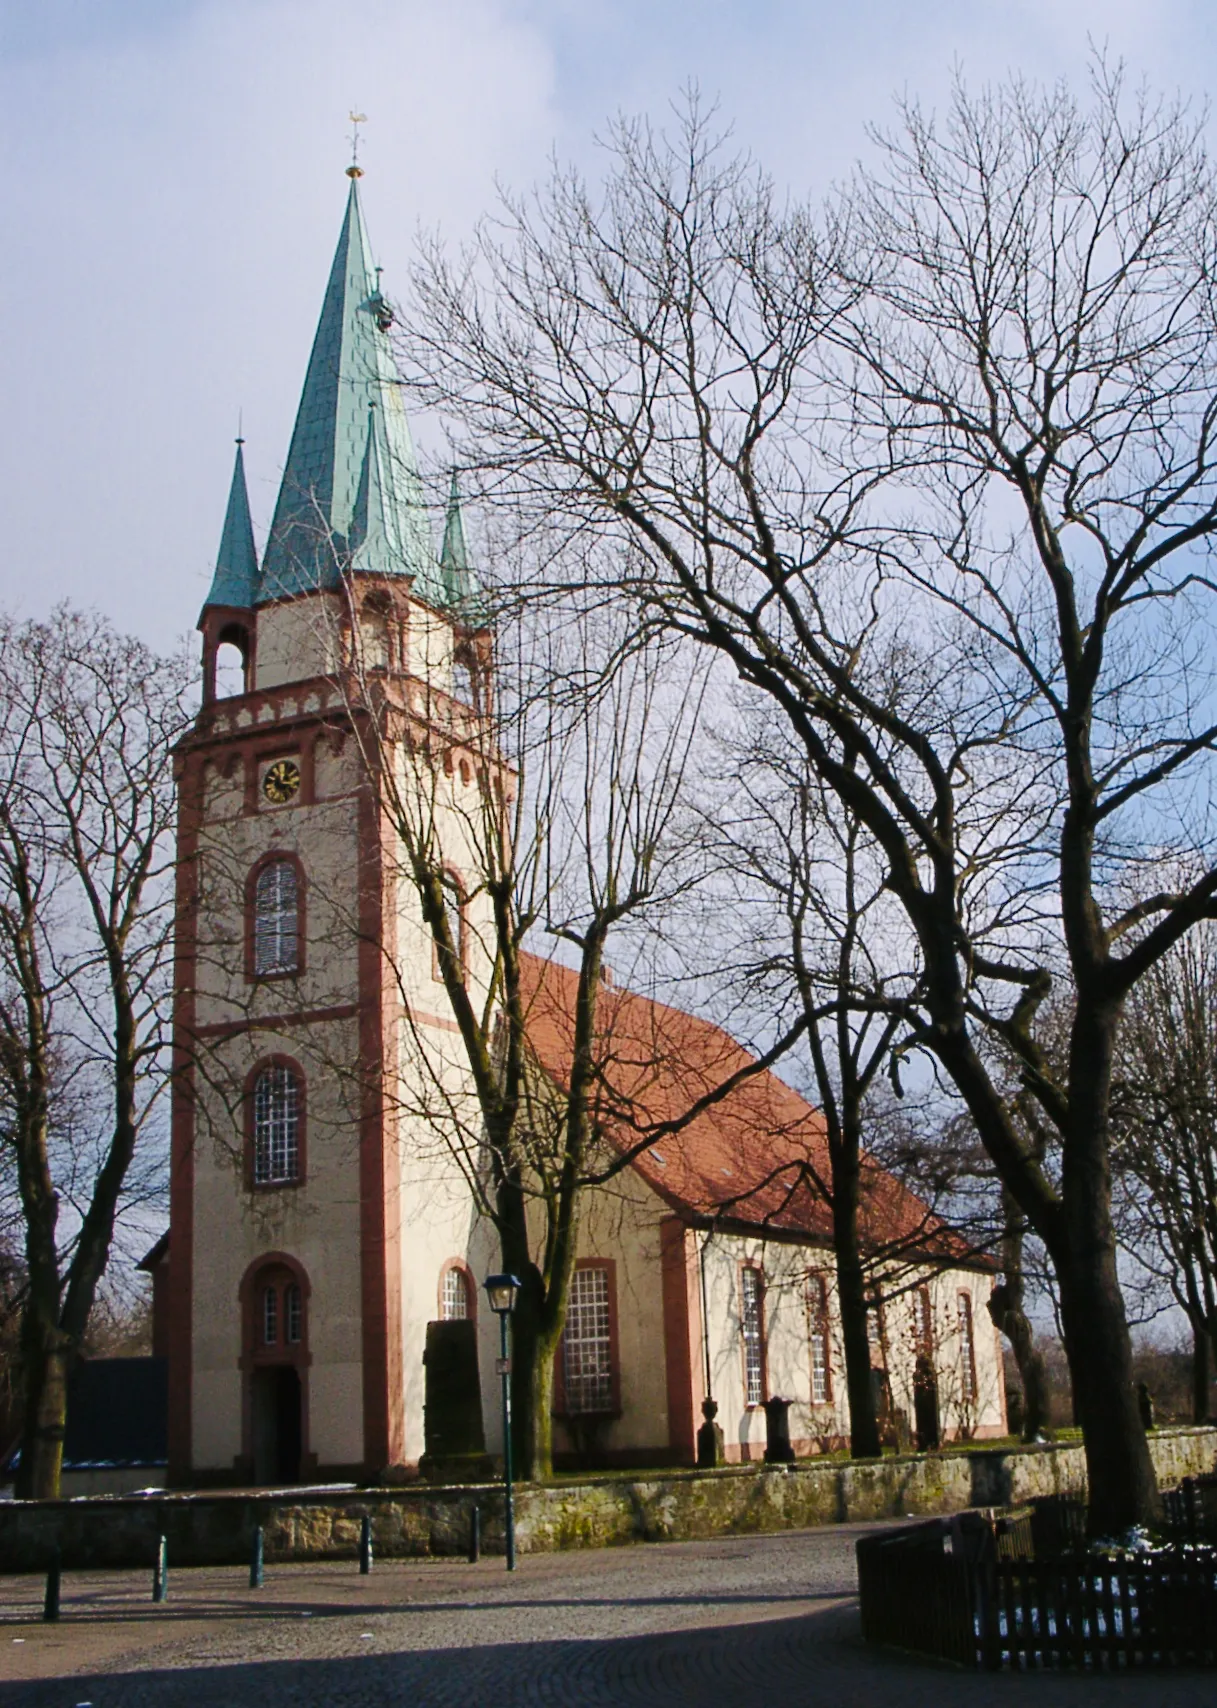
x=501, y=1290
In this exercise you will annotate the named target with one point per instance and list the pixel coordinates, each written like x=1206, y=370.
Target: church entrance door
x=276, y=1424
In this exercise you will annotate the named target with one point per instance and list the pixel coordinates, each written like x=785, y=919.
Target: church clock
x=281, y=782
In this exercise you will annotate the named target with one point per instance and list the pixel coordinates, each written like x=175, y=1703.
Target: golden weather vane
x=355, y=170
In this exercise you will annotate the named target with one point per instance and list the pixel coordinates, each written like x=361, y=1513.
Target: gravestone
x=453, y=1436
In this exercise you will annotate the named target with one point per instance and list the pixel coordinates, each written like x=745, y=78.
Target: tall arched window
x=276, y=919
x=276, y=1123
x=752, y=1329
x=967, y=1350
x=820, y=1338
x=454, y=1297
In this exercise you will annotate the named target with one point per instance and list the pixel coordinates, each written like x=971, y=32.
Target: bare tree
x=815, y=932
x=87, y=722
x=1166, y=1119
x=569, y=833
x=972, y=405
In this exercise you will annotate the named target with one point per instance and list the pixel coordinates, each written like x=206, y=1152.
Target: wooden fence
x=1191, y=1509
x=966, y=1591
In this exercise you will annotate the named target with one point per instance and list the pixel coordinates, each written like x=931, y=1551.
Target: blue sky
x=173, y=189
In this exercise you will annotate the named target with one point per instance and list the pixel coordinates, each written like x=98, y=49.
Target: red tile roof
x=753, y=1159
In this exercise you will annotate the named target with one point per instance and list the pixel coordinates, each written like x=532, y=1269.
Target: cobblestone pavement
x=744, y=1622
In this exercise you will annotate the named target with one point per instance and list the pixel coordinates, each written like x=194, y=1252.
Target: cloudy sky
x=173, y=188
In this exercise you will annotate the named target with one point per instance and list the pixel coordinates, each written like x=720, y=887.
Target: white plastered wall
x=438, y=1120
x=297, y=639
x=316, y=1222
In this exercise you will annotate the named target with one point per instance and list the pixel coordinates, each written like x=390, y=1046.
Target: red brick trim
x=379, y=1174
x=471, y=1287
x=221, y=624
x=272, y=857
x=609, y=1265
x=182, y=1121
x=251, y=1080
x=754, y=1264
x=276, y=1022
x=682, y=1331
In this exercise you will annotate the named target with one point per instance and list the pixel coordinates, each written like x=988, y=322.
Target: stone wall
x=207, y=1529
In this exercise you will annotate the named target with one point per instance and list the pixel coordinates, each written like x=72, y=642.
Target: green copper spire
x=351, y=495
x=235, y=581
x=461, y=584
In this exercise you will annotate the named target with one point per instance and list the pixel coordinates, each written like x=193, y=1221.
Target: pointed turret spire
x=235, y=581
x=460, y=579
x=351, y=482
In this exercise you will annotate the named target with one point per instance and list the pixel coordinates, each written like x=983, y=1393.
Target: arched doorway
x=275, y=1359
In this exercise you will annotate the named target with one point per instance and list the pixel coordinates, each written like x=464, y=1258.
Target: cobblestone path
x=739, y=1623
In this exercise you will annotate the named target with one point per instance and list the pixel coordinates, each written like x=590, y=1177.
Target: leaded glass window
x=967, y=1349
x=455, y=1301
x=276, y=1126
x=587, y=1343
x=752, y=1324
x=821, y=1356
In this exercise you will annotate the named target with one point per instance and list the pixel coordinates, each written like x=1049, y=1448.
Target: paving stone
x=741, y=1623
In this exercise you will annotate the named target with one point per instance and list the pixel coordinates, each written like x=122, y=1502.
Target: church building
x=316, y=1226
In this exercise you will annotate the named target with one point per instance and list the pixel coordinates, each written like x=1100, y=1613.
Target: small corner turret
x=462, y=590
x=227, y=614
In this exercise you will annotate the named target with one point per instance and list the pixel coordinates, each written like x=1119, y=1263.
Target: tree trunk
x=529, y=1431
x=851, y=1297
x=1010, y=1319
x=541, y=1410
x=45, y=1355
x=1123, y=1490
x=1200, y=1372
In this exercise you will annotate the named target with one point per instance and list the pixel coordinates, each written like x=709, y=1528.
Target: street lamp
x=501, y=1291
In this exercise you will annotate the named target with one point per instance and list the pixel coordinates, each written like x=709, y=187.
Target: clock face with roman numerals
x=281, y=782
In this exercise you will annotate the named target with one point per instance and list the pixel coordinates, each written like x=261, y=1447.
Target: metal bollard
x=50, y=1603
x=475, y=1534
x=256, y=1573
x=160, y=1570
x=365, y=1545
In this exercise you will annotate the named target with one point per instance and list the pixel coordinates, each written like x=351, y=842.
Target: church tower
x=318, y=1220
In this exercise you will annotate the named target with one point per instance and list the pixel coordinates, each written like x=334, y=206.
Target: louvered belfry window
x=276, y=919
x=276, y=1126
x=587, y=1343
